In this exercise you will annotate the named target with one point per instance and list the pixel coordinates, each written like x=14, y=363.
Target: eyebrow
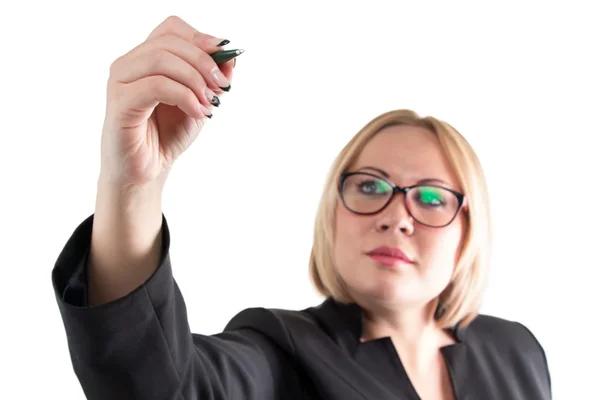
x=387, y=176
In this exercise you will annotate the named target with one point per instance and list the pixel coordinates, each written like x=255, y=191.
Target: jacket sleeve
x=140, y=346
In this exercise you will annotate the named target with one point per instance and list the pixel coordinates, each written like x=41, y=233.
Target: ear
x=465, y=205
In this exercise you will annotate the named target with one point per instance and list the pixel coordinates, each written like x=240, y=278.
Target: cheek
x=349, y=234
x=440, y=250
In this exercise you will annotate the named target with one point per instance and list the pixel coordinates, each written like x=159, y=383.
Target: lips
x=389, y=256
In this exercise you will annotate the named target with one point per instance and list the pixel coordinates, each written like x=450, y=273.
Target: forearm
x=126, y=240
x=140, y=345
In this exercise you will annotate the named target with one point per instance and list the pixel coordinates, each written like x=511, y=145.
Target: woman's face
x=407, y=155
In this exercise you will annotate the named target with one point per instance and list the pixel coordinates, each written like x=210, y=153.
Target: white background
x=519, y=81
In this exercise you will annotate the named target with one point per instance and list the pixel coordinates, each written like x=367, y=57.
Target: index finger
x=174, y=25
x=227, y=69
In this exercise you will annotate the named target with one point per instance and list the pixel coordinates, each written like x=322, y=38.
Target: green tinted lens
x=433, y=206
x=377, y=187
x=431, y=195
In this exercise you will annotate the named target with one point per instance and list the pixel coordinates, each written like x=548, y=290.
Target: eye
x=431, y=196
x=373, y=186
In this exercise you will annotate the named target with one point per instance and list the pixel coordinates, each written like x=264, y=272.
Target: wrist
x=131, y=215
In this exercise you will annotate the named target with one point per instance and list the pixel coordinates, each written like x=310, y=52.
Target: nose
x=395, y=217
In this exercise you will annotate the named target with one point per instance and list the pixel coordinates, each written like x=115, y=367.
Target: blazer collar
x=344, y=323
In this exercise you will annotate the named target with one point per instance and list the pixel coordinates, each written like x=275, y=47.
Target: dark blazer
x=141, y=347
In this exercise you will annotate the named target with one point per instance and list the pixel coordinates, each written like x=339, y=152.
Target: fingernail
x=205, y=111
x=226, y=88
x=212, y=98
x=218, y=42
x=218, y=78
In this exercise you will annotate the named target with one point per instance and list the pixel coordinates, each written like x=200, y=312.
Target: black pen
x=223, y=56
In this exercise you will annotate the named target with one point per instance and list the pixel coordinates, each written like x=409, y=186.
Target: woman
x=400, y=253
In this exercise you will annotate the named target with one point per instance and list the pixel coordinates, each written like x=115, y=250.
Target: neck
x=413, y=331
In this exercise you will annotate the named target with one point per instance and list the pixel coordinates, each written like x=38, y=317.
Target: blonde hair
x=462, y=298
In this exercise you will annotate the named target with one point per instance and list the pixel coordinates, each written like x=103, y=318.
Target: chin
x=388, y=293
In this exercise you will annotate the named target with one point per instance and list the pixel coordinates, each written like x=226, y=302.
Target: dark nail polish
x=225, y=89
x=223, y=43
x=209, y=116
x=215, y=101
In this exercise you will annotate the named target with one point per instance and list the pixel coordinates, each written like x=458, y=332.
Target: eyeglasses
x=367, y=194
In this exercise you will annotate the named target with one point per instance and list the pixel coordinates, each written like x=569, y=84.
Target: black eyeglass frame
x=395, y=190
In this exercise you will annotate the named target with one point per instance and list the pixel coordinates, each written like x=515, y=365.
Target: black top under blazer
x=140, y=347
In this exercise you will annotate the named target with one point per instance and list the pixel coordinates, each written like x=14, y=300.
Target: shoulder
x=507, y=340
x=501, y=332
x=277, y=324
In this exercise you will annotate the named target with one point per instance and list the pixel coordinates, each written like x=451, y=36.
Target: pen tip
x=240, y=51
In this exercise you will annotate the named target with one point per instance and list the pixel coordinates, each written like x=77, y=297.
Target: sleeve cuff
x=69, y=276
